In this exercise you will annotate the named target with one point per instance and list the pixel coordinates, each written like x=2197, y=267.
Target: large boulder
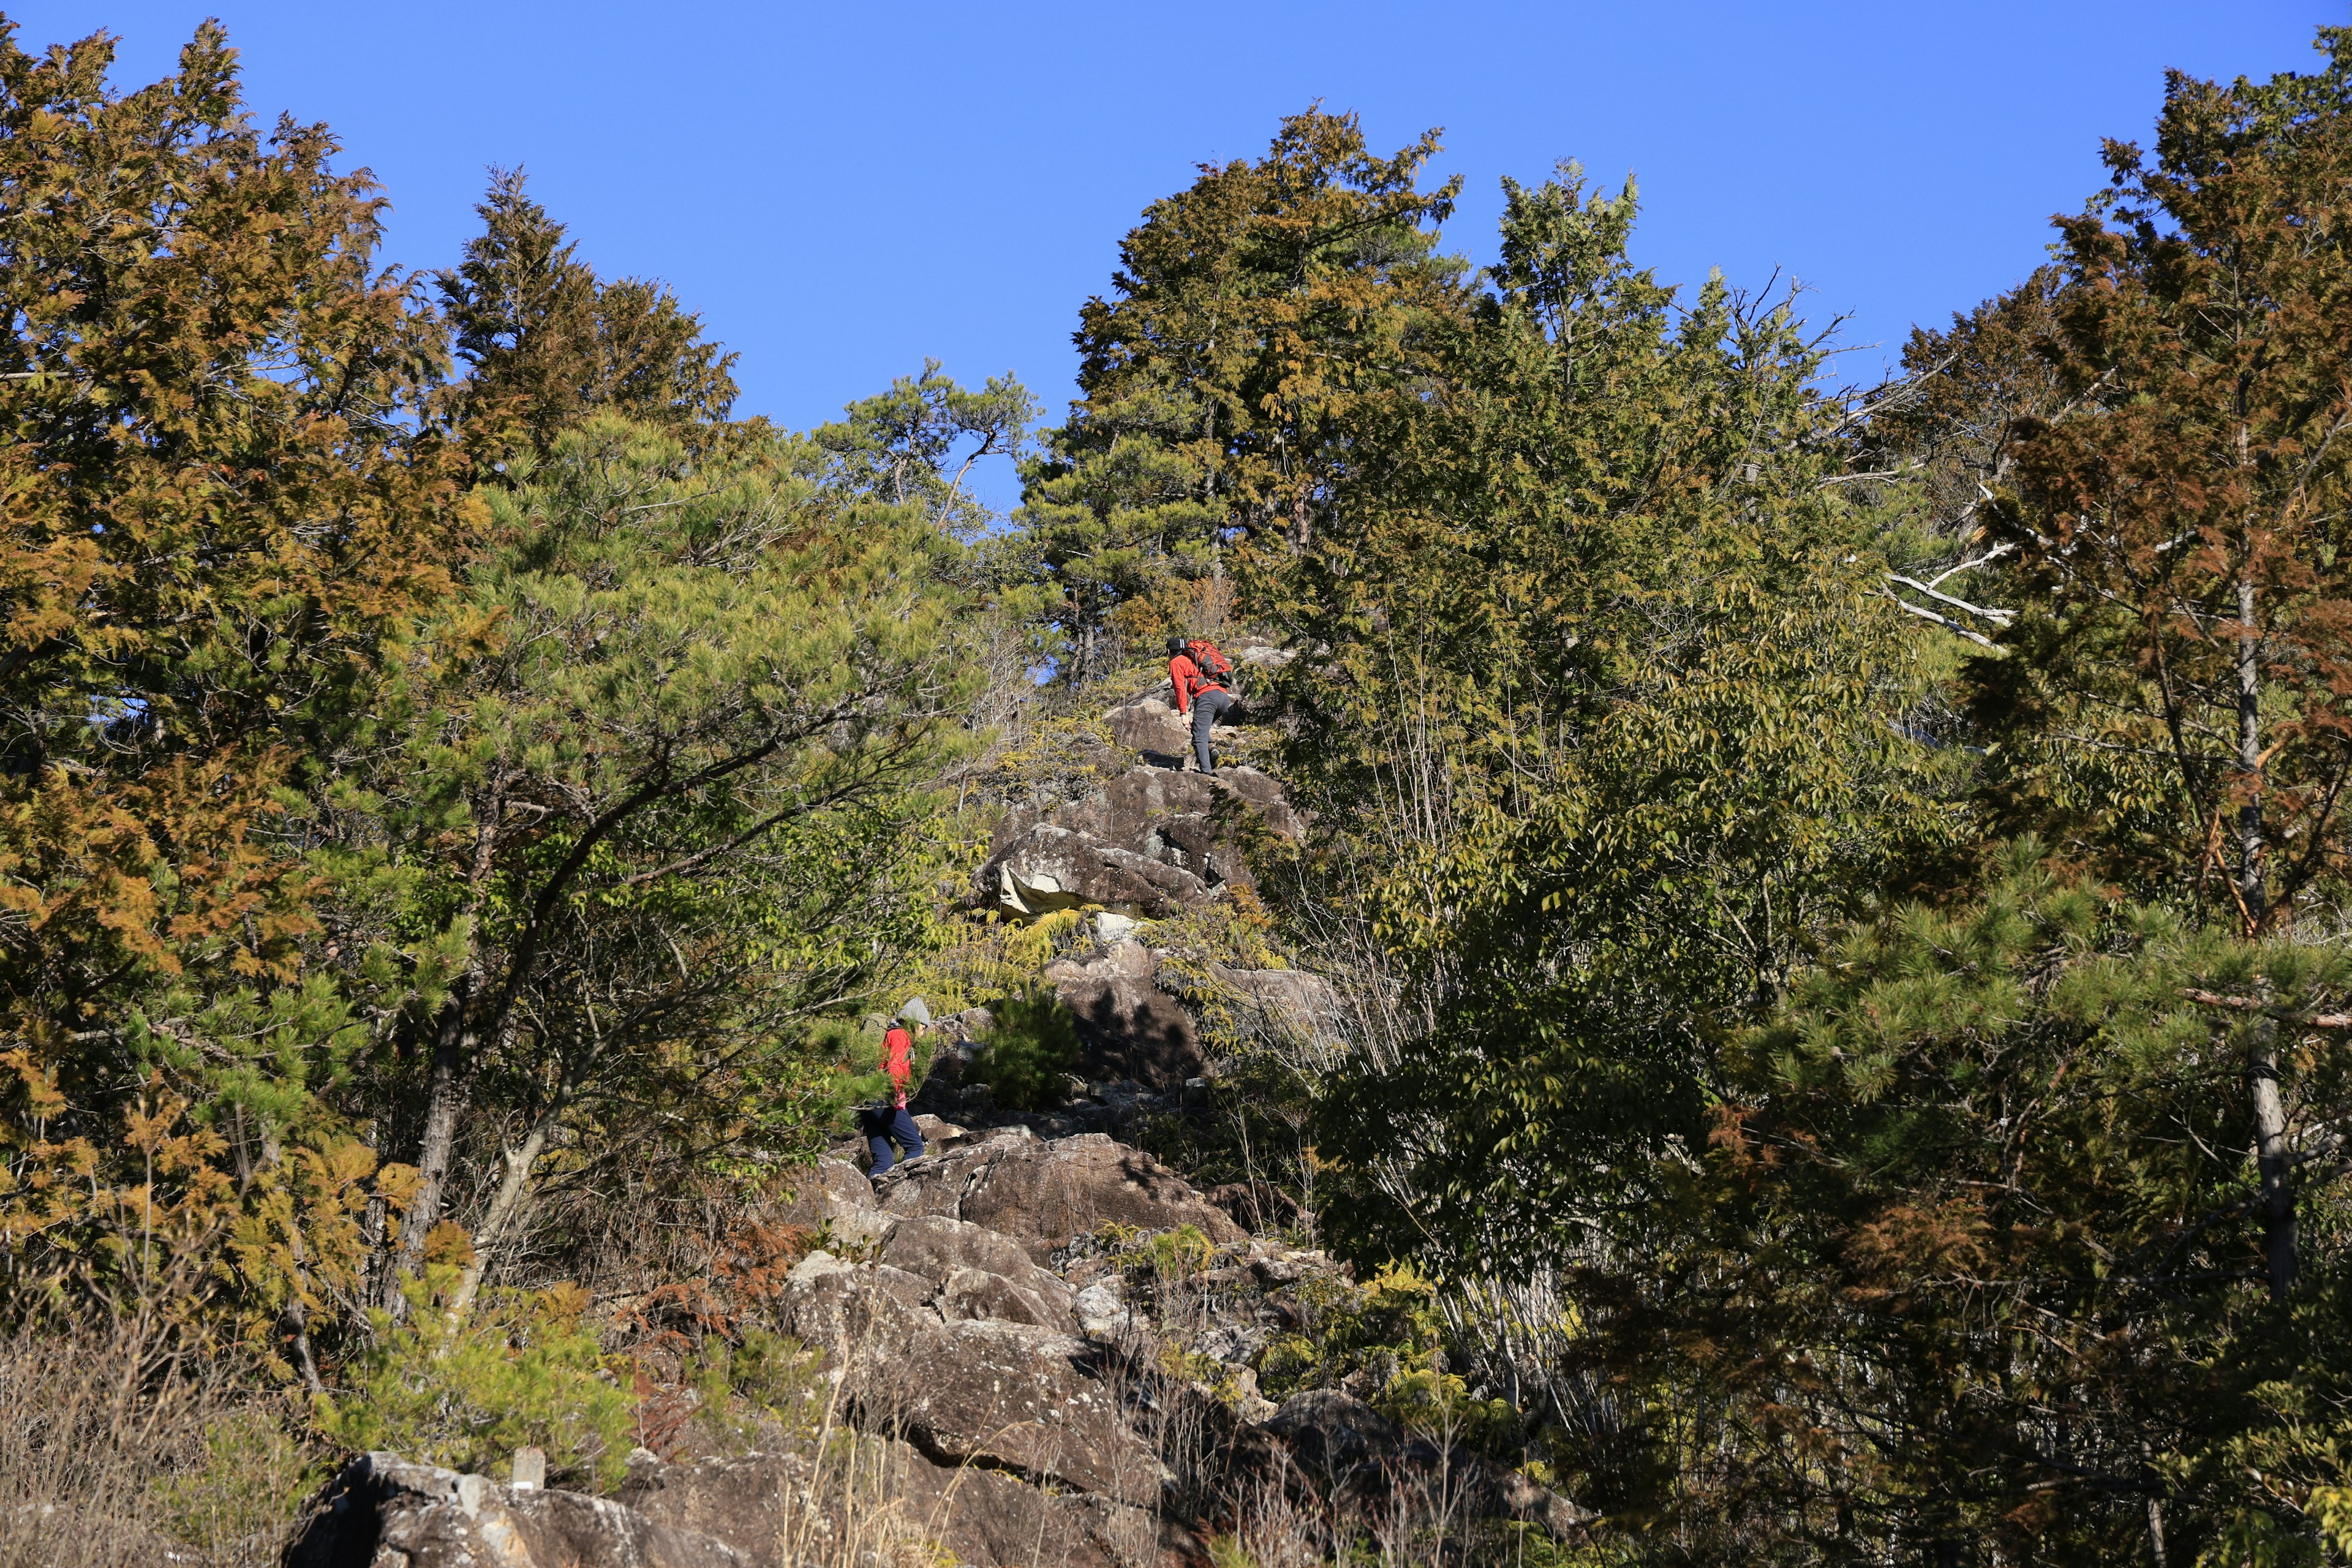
x=1042, y=1194
x=1148, y=843
x=982, y=1517
x=1282, y=1002
x=833, y=1186
x=980, y=1272
x=1150, y=727
x=1013, y=1398
x=383, y=1511
x=893, y=1503
x=846, y=1311
x=1130, y=1028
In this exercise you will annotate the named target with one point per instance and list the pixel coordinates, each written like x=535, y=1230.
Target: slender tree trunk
x=451, y=1081
x=2272, y=1153
x=2251, y=888
x=505, y=1208
x=445, y=1093
x=2272, y=1159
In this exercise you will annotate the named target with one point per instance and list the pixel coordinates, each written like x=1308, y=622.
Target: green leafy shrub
x=1023, y=1058
x=465, y=1392
x=765, y=1376
x=253, y=1478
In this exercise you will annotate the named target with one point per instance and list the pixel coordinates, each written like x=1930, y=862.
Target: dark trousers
x=1208, y=707
x=887, y=1126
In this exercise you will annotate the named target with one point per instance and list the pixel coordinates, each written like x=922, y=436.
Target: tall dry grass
x=116, y=1451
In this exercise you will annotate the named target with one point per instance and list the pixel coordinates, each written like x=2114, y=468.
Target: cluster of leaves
x=1255, y=317
x=1808, y=874
x=465, y=1390
x=1612, y=720
x=1028, y=1050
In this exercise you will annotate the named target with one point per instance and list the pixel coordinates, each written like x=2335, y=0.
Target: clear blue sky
x=844, y=189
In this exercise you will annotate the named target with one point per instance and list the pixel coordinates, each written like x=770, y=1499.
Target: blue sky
x=843, y=190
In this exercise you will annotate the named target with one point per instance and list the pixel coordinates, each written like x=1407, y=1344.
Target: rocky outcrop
x=385, y=1513
x=1009, y=1366
x=969, y=1515
x=1149, y=726
x=1042, y=1194
x=1280, y=1002
x=1131, y=1030
x=1151, y=841
x=1002, y=1389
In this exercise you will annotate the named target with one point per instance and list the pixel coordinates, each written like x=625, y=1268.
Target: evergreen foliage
x=1028, y=1050
x=227, y=514
x=547, y=340
x=1254, y=317
x=1834, y=900
x=1969, y=1233
x=1614, y=719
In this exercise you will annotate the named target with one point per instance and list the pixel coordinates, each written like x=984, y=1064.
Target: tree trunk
x=2251, y=888
x=2271, y=1154
x=2272, y=1159
x=446, y=1091
x=505, y=1209
x=445, y=1095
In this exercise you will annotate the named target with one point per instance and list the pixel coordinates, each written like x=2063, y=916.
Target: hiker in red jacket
x=1204, y=692
x=889, y=1128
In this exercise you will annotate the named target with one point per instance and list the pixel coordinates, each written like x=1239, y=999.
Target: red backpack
x=1212, y=663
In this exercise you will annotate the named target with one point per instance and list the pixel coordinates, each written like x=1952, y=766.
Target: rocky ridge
x=1036, y=1342
x=982, y=1335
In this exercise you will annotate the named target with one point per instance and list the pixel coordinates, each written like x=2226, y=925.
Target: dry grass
x=114, y=1451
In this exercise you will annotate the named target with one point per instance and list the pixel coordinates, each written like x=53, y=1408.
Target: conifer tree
x=668, y=803
x=1606, y=736
x=225, y=513
x=547, y=340
x=2185, y=525
x=1255, y=315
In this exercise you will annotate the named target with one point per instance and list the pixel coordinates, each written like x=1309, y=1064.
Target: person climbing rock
x=890, y=1128
x=1205, y=694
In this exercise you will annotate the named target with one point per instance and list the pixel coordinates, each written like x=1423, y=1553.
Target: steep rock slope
x=1003, y=1384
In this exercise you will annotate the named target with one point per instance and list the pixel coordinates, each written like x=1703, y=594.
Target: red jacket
x=898, y=1061
x=1186, y=678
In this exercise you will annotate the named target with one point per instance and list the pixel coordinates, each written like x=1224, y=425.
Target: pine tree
x=2185, y=529
x=1254, y=318
x=547, y=341
x=226, y=514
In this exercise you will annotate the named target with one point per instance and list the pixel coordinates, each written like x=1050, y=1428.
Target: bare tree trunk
x=2250, y=888
x=446, y=1091
x=445, y=1095
x=2272, y=1158
x=2271, y=1154
x=505, y=1208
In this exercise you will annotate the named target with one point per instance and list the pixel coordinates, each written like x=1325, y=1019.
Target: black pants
x=1208, y=707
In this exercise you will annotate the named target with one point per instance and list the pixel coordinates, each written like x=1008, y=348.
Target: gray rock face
x=385, y=1513
x=985, y=1358
x=1131, y=1028
x=1284, y=1001
x=984, y=1274
x=1152, y=726
x=980, y=1516
x=1041, y=1195
x=1149, y=842
x=1013, y=1397
x=833, y=1186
